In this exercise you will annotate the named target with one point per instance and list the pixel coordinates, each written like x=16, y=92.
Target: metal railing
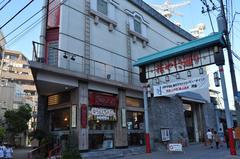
x=55, y=152
x=74, y=62
x=40, y=151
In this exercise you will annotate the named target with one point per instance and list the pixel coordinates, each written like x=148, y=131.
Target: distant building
x=17, y=85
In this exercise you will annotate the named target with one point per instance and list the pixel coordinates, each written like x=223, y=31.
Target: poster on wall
x=74, y=116
x=124, y=122
x=181, y=86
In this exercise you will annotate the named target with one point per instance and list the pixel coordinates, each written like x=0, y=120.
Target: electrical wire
x=16, y=14
x=36, y=22
x=2, y=2
x=21, y=24
x=5, y=4
x=24, y=22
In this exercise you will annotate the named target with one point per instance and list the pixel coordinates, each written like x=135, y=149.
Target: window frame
x=137, y=20
x=100, y=6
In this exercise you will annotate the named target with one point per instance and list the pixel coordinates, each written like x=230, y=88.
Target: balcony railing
x=74, y=62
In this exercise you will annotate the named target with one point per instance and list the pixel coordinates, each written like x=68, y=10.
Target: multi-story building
x=17, y=86
x=87, y=85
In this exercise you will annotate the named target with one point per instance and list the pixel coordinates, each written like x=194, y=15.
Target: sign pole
x=227, y=111
x=147, y=136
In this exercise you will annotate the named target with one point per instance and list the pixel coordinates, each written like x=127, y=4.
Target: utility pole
x=147, y=135
x=223, y=27
x=227, y=111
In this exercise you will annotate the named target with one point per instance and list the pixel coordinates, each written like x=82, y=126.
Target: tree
x=17, y=120
x=2, y=133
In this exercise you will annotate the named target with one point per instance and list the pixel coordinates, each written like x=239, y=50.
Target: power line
x=24, y=22
x=2, y=2
x=16, y=14
x=77, y=10
x=5, y=4
x=21, y=25
x=37, y=21
x=208, y=10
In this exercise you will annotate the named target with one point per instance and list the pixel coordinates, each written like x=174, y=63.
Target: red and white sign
x=180, y=63
x=181, y=86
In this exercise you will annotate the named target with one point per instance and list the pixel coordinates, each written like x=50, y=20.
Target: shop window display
x=135, y=120
x=60, y=119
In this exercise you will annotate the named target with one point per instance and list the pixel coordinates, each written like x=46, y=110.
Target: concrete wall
x=167, y=113
x=110, y=47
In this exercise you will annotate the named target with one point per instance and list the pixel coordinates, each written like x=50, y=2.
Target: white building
x=88, y=85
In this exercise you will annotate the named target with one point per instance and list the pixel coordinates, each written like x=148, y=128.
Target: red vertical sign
x=53, y=13
x=84, y=115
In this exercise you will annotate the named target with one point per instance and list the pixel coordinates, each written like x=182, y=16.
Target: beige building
x=17, y=85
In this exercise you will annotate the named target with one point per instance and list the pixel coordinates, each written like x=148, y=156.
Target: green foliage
x=71, y=153
x=2, y=133
x=17, y=120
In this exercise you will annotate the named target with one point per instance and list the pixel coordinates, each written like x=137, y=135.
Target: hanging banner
x=181, y=86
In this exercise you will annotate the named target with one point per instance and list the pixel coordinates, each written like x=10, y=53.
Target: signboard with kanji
x=180, y=63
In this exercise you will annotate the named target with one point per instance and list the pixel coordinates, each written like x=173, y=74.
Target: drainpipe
x=41, y=55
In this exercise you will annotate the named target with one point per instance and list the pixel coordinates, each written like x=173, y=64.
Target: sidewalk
x=20, y=153
x=191, y=152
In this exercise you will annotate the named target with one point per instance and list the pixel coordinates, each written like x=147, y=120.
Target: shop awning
x=191, y=96
x=208, y=41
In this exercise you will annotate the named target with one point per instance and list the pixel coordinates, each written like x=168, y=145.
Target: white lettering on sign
x=175, y=147
x=180, y=63
x=102, y=114
x=181, y=86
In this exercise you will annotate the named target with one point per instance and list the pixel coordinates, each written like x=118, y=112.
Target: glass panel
x=53, y=53
x=102, y=6
x=135, y=139
x=60, y=119
x=135, y=120
x=100, y=125
x=100, y=141
x=137, y=24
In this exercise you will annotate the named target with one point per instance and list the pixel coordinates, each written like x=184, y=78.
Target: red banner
x=103, y=100
x=84, y=116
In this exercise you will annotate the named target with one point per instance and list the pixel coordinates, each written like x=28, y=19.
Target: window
x=135, y=120
x=137, y=24
x=102, y=6
x=60, y=119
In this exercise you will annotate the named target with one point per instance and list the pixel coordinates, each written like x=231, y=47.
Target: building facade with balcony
x=83, y=69
x=17, y=87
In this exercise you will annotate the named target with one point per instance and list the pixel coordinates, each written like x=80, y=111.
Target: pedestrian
x=221, y=136
x=9, y=152
x=216, y=138
x=210, y=137
x=2, y=151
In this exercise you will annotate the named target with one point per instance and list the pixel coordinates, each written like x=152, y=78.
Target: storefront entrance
x=102, y=117
x=194, y=121
x=189, y=125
